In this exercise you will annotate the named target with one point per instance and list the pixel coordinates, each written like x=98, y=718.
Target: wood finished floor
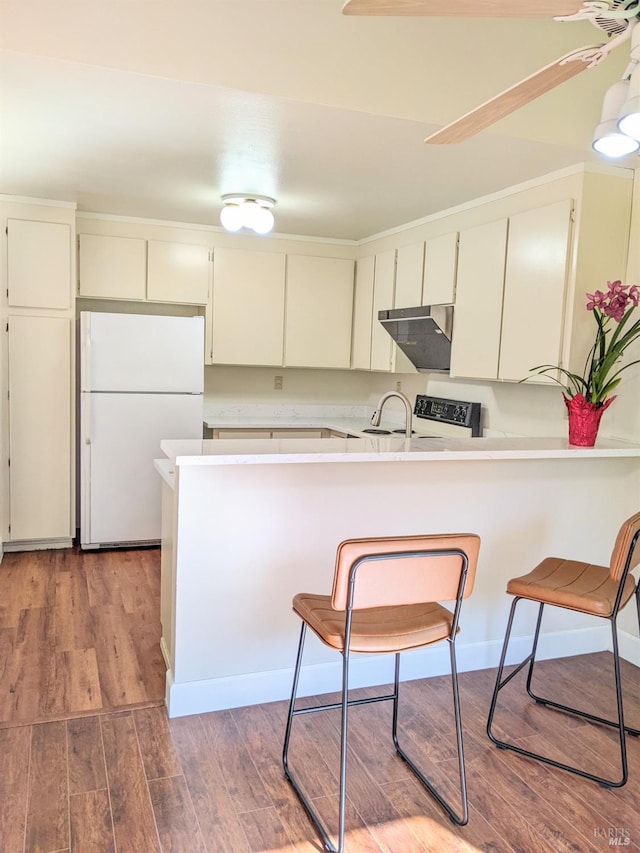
x=134, y=781
x=79, y=633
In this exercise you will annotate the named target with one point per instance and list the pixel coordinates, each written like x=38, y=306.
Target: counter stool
x=594, y=590
x=385, y=600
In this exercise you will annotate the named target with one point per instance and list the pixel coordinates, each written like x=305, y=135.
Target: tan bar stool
x=385, y=600
x=596, y=590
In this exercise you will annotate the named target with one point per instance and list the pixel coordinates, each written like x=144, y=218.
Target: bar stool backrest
x=624, y=541
x=404, y=579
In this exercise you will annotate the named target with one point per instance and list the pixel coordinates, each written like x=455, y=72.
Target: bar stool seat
x=386, y=598
x=587, y=588
x=377, y=629
x=573, y=585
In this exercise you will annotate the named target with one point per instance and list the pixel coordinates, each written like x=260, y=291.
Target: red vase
x=584, y=419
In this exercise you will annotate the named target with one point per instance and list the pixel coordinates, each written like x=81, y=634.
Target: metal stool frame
x=346, y=703
x=530, y=659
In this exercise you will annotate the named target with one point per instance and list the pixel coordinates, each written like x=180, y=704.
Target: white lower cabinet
x=40, y=427
x=318, y=311
x=246, y=322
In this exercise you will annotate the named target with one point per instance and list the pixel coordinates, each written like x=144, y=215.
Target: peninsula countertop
x=383, y=449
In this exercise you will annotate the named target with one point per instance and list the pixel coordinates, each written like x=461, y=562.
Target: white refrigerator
x=141, y=381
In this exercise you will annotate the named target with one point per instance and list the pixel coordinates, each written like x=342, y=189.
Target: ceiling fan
x=616, y=18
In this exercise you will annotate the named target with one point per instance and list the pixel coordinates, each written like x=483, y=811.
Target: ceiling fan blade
x=512, y=99
x=464, y=8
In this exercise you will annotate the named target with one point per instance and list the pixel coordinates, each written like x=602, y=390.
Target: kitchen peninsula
x=248, y=523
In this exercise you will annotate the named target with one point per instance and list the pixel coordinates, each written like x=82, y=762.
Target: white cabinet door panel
x=363, y=314
x=178, y=272
x=319, y=308
x=39, y=264
x=112, y=267
x=383, y=294
x=534, y=292
x=40, y=473
x=477, y=315
x=440, y=267
x=248, y=307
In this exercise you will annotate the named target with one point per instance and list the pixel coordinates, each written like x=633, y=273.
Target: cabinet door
x=40, y=473
x=112, y=267
x=363, y=314
x=319, y=307
x=178, y=272
x=248, y=307
x=477, y=316
x=408, y=293
x=440, y=266
x=39, y=264
x=382, y=345
x=534, y=293
x=409, y=274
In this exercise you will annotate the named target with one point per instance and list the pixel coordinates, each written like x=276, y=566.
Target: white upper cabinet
x=382, y=346
x=440, y=266
x=409, y=274
x=112, y=267
x=39, y=264
x=144, y=270
x=178, y=272
x=477, y=317
x=318, y=313
x=248, y=307
x=535, y=288
x=363, y=314
x=512, y=280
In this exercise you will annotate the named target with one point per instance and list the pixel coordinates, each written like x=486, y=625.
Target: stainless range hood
x=423, y=334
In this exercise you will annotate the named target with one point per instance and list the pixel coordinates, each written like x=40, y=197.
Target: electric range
x=438, y=416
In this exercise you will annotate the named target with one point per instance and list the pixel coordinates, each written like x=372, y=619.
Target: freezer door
x=120, y=490
x=141, y=352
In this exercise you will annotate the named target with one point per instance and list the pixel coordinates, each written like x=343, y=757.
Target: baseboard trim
x=216, y=694
x=629, y=646
x=37, y=544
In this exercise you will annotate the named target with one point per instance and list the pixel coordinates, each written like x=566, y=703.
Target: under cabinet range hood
x=423, y=334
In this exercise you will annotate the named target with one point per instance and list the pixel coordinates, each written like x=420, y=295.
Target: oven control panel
x=455, y=412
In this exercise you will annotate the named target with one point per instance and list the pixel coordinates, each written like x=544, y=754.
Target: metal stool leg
x=617, y=724
x=293, y=711
x=462, y=819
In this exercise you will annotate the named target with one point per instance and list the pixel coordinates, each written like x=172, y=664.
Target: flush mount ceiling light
x=247, y=211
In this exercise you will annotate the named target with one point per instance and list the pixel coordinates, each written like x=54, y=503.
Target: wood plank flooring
x=132, y=781
x=79, y=633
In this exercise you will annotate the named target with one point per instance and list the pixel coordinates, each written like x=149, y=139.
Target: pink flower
x=634, y=295
x=596, y=300
x=615, y=287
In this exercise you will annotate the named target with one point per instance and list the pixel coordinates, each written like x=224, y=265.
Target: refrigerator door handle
x=87, y=418
x=85, y=365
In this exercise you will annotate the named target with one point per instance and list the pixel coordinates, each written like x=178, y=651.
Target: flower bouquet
x=588, y=395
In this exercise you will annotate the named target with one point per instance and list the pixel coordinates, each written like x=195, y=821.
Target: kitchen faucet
x=375, y=417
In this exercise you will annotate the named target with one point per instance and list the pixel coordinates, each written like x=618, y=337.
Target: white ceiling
x=155, y=109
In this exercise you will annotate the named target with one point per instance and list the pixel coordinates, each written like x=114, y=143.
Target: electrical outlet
x=398, y=386
x=277, y=383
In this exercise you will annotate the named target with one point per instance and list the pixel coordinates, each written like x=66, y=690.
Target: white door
x=140, y=352
x=120, y=438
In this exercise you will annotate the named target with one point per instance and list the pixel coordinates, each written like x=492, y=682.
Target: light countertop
x=246, y=451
